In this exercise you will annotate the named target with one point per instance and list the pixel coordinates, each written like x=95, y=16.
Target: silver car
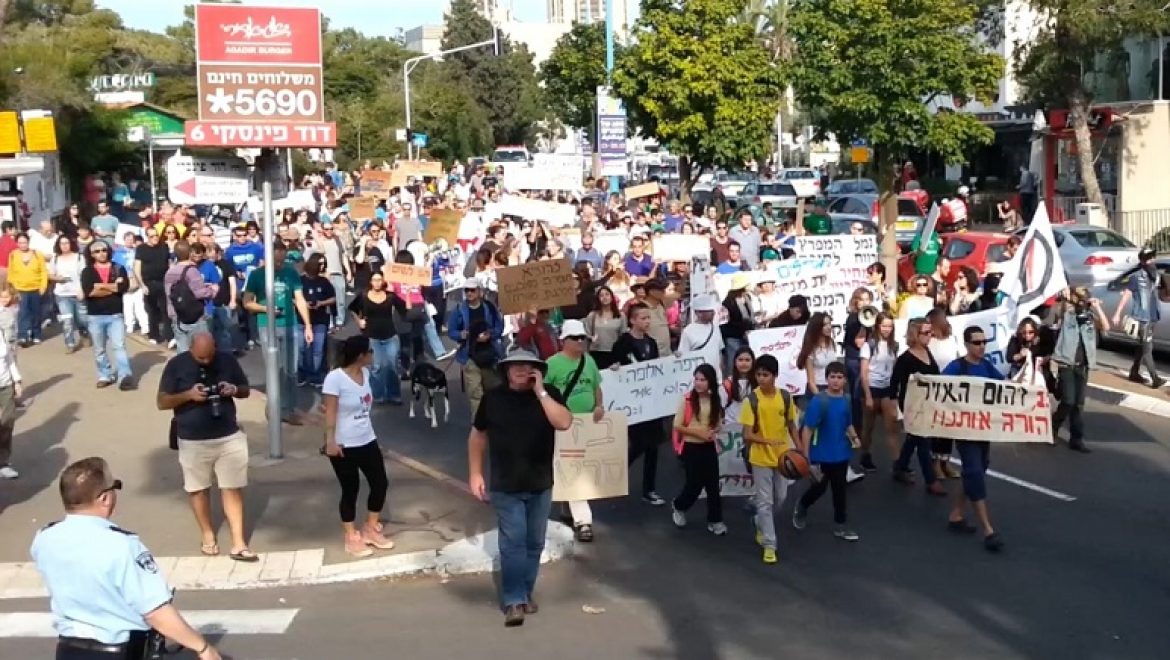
x=732, y=183
x=1092, y=255
x=861, y=206
x=757, y=193
x=1109, y=293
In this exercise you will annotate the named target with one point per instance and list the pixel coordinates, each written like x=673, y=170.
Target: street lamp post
x=411, y=63
x=613, y=180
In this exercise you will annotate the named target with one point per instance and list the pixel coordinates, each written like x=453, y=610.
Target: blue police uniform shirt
x=101, y=579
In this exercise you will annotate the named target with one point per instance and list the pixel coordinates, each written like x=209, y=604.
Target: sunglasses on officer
x=117, y=485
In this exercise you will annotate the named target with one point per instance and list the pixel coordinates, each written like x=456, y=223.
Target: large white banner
x=839, y=250
x=535, y=178
x=971, y=408
x=612, y=240
x=680, y=247
x=784, y=345
x=557, y=215
x=993, y=322
x=649, y=390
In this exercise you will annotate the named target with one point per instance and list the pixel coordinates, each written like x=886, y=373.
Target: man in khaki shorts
x=201, y=386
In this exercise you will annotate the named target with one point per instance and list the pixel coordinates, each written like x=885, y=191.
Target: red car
x=972, y=249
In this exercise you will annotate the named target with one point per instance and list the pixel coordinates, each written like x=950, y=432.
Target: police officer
x=105, y=589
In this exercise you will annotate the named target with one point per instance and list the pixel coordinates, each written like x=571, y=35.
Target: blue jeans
x=730, y=346
x=222, y=323
x=185, y=332
x=311, y=367
x=73, y=318
x=288, y=343
x=916, y=444
x=28, y=318
x=339, y=307
x=384, y=374
x=976, y=458
x=110, y=327
x=522, y=519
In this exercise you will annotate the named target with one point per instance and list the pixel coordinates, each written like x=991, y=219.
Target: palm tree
x=769, y=18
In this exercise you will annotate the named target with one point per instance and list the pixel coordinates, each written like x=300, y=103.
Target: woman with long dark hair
x=696, y=426
x=878, y=355
x=65, y=271
x=604, y=325
x=321, y=297
x=374, y=310
x=1028, y=351
x=740, y=315
x=352, y=446
x=817, y=351
x=28, y=274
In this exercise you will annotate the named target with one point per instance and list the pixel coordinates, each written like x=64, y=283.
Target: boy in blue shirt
x=975, y=455
x=828, y=439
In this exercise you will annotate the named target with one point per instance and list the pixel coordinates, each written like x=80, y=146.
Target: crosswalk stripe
x=208, y=622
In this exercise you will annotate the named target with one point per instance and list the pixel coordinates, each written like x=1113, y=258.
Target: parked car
x=1092, y=255
x=973, y=249
x=841, y=187
x=732, y=183
x=806, y=180
x=846, y=226
x=1109, y=294
x=864, y=206
x=780, y=194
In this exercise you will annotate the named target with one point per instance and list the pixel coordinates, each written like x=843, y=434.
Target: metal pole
x=614, y=184
x=271, y=355
x=1161, y=67
x=406, y=94
x=153, y=185
x=780, y=139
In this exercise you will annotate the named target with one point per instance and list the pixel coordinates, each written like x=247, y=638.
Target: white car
x=806, y=180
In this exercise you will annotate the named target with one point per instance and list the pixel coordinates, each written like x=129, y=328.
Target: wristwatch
x=543, y=394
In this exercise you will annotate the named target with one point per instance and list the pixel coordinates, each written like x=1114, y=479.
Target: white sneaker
x=8, y=472
x=679, y=517
x=447, y=356
x=852, y=476
x=172, y=343
x=718, y=529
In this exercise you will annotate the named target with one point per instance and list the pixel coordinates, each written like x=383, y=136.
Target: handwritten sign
x=971, y=408
x=611, y=240
x=557, y=215
x=362, y=208
x=420, y=168
x=827, y=288
x=443, y=224
x=590, y=459
x=734, y=478
x=375, y=183
x=649, y=390
x=407, y=274
x=642, y=190
x=680, y=247
x=839, y=250
x=537, y=284
x=784, y=345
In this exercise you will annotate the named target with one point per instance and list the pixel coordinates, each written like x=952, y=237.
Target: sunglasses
x=98, y=251
x=977, y=342
x=922, y=285
x=117, y=485
x=576, y=338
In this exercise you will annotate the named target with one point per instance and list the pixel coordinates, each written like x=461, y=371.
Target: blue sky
x=372, y=17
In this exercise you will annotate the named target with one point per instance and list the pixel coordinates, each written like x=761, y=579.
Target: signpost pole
x=153, y=183
x=406, y=95
x=614, y=184
x=271, y=355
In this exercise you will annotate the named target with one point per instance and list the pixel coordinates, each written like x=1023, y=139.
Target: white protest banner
x=840, y=250
x=1035, y=273
x=649, y=390
x=570, y=164
x=931, y=221
x=557, y=215
x=590, y=459
x=993, y=322
x=570, y=236
x=612, y=240
x=679, y=247
x=533, y=178
x=784, y=345
x=734, y=478
x=971, y=408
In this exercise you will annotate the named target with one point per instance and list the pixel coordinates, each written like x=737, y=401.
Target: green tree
x=1056, y=60
x=870, y=68
x=572, y=74
x=504, y=86
x=700, y=82
x=458, y=127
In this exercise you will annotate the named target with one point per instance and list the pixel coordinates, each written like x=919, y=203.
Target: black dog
x=427, y=378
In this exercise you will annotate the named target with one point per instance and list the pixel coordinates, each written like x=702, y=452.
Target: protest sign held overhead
x=407, y=274
x=840, y=250
x=784, y=345
x=680, y=247
x=970, y=408
x=535, y=178
x=649, y=390
x=536, y=285
x=362, y=208
x=557, y=215
x=642, y=190
x=420, y=168
x=375, y=183
x=443, y=224
x=590, y=459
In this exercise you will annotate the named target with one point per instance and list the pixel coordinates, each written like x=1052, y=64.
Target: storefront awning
x=21, y=165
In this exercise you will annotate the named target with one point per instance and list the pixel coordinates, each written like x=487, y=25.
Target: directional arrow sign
x=202, y=180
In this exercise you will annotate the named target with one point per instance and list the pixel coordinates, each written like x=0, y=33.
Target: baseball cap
x=471, y=283
x=704, y=304
x=1147, y=253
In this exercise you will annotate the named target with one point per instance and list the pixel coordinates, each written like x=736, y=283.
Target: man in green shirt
x=292, y=320
x=926, y=256
x=817, y=222
x=574, y=373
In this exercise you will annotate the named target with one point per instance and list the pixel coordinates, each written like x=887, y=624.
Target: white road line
x=226, y=622
x=1055, y=494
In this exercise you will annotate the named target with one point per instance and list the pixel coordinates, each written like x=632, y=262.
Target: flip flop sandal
x=585, y=533
x=209, y=549
x=246, y=555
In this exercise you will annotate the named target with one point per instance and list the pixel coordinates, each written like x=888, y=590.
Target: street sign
x=859, y=155
x=10, y=133
x=259, y=78
x=859, y=142
x=200, y=180
x=40, y=131
x=611, y=130
x=419, y=140
x=400, y=134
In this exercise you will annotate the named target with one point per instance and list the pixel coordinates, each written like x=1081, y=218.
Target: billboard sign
x=611, y=134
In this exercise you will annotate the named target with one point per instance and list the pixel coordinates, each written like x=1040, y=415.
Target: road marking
x=1055, y=494
x=207, y=622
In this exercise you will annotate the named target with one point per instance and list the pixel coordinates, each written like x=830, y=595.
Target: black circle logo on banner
x=1032, y=293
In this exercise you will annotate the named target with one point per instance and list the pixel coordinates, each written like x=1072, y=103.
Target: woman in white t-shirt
x=65, y=272
x=817, y=351
x=877, y=369
x=352, y=447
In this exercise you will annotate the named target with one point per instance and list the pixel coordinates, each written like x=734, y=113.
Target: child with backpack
x=828, y=439
x=769, y=429
x=696, y=427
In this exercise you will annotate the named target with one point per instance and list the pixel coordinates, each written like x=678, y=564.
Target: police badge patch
x=145, y=561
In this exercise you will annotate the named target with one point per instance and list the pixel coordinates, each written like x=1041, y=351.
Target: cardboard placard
x=444, y=224
x=362, y=208
x=589, y=461
x=376, y=183
x=407, y=274
x=399, y=179
x=680, y=247
x=418, y=168
x=642, y=190
x=537, y=284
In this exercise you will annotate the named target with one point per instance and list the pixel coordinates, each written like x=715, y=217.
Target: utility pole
x=614, y=184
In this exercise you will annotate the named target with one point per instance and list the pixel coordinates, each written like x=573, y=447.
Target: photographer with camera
x=201, y=386
x=1080, y=321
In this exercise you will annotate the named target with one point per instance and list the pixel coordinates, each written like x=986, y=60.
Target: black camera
x=214, y=396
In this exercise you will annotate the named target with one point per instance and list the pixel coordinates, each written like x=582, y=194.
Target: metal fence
x=1064, y=208
x=1142, y=227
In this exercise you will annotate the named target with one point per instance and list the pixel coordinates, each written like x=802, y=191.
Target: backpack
x=753, y=400
x=188, y=308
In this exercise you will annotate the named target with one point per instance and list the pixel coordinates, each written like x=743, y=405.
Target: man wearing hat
x=478, y=327
x=516, y=424
x=702, y=334
x=1144, y=292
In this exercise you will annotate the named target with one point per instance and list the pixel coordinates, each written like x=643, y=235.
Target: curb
x=1140, y=402
x=301, y=568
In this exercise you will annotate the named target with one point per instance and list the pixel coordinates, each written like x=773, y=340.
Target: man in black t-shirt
x=151, y=260
x=517, y=423
x=200, y=386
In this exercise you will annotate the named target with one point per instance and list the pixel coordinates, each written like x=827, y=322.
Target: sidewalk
x=1115, y=389
x=291, y=503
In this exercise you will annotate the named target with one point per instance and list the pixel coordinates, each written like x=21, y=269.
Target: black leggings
x=835, y=474
x=368, y=459
x=701, y=464
x=644, y=439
